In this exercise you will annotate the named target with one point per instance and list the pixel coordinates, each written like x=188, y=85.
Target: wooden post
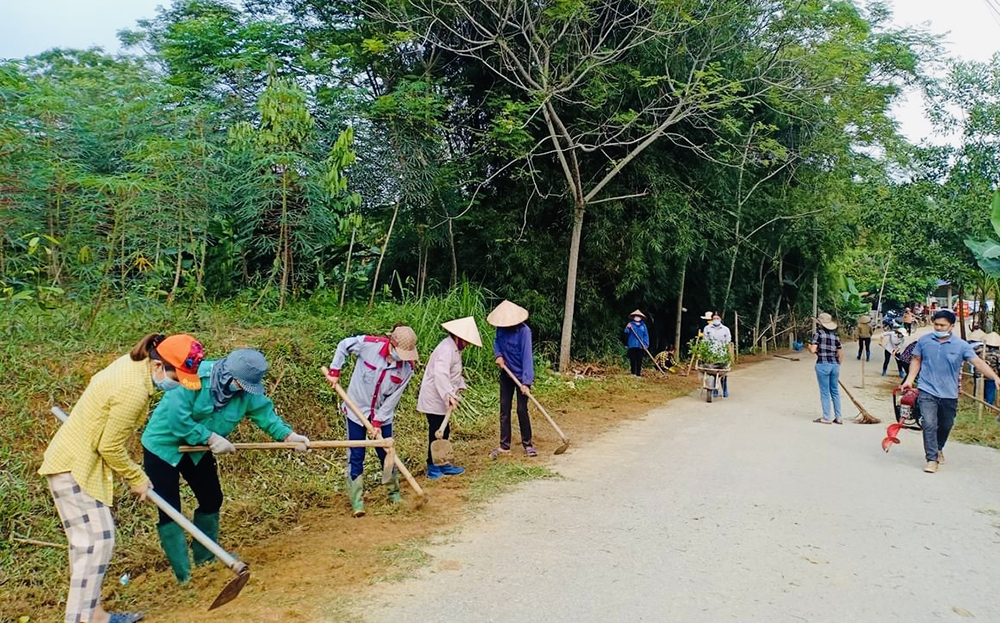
x=981, y=394
x=680, y=312
x=961, y=310
x=347, y=271
x=381, y=256
x=736, y=327
x=881, y=290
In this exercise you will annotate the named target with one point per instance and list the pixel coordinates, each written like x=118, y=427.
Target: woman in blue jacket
x=638, y=340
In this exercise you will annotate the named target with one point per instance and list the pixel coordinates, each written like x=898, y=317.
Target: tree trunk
x=680, y=311
x=760, y=301
x=781, y=282
x=454, y=261
x=347, y=270
x=815, y=298
x=381, y=256
x=566, y=340
x=283, y=240
x=961, y=310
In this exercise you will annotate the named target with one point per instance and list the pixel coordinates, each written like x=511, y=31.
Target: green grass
x=402, y=560
x=501, y=475
x=969, y=428
x=48, y=356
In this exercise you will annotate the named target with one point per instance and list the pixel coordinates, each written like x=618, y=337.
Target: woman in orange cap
x=90, y=448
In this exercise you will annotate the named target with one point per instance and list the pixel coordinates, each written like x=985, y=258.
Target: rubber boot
x=356, y=489
x=209, y=524
x=393, y=488
x=174, y=543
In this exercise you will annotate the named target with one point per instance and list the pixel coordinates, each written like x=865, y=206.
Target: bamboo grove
x=583, y=157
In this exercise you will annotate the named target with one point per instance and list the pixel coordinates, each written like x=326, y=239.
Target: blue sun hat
x=248, y=367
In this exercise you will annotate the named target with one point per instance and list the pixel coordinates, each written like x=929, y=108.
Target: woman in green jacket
x=231, y=389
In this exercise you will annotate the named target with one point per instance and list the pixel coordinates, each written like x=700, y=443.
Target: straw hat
x=977, y=335
x=464, y=328
x=507, y=314
x=707, y=315
x=992, y=339
x=405, y=341
x=637, y=313
x=864, y=319
x=826, y=320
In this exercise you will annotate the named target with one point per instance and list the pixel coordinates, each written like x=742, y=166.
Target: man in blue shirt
x=937, y=365
x=512, y=349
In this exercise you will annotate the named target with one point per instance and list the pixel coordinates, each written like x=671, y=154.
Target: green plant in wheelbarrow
x=710, y=354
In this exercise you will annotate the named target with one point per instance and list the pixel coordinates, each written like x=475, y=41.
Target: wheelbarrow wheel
x=708, y=395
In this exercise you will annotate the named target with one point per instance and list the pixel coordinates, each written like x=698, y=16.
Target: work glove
x=294, y=437
x=220, y=445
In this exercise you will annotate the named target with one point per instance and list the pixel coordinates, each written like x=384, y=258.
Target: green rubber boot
x=174, y=543
x=393, y=487
x=356, y=489
x=209, y=524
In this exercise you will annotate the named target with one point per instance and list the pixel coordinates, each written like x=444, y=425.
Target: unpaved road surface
x=740, y=510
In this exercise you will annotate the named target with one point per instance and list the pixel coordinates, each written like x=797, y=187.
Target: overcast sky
x=31, y=26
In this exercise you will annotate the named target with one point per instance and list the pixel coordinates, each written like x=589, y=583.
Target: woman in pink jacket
x=442, y=383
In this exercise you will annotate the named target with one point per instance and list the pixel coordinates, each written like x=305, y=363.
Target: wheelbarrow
x=711, y=377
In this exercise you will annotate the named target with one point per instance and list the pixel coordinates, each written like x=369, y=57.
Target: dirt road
x=741, y=510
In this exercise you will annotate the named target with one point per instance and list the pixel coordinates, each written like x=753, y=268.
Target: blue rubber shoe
x=434, y=472
x=451, y=470
x=126, y=617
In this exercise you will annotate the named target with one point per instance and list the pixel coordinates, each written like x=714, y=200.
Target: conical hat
x=464, y=328
x=507, y=314
x=864, y=319
x=992, y=339
x=637, y=313
x=707, y=315
x=977, y=335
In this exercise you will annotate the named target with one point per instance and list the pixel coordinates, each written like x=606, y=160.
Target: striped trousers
x=90, y=531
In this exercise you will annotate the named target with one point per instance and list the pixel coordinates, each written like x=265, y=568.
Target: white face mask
x=166, y=383
x=637, y=319
x=716, y=322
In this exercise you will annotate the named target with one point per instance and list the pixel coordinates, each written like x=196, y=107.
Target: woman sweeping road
x=381, y=374
x=442, y=384
x=829, y=355
x=90, y=448
x=231, y=389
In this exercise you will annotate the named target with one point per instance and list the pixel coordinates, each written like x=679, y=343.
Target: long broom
x=863, y=416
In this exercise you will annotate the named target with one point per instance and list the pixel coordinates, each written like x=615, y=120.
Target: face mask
x=637, y=320
x=716, y=323
x=166, y=384
x=942, y=334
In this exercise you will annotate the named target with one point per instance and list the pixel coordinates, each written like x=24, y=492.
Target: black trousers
x=635, y=360
x=885, y=364
x=203, y=478
x=434, y=422
x=865, y=344
x=507, y=392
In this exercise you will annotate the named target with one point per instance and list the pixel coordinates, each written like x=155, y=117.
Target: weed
x=501, y=476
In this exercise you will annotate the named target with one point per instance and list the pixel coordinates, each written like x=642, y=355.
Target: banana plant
x=987, y=252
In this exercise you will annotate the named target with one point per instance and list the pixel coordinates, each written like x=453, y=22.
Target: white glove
x=220, y=445
x=294, y=437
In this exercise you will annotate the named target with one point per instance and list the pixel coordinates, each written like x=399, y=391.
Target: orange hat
x=184, y=353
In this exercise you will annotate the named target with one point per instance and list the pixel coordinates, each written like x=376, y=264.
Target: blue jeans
x=827, y=375
x=356, y=456
x=937, y=416
x=990, y=391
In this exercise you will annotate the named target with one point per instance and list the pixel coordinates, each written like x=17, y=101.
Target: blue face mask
x=716, y=323
x=166, y=384
x=942, y=334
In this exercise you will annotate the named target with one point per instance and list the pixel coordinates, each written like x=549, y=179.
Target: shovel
x=565, y=439
x=391, y=458
x=242, y=570
x=441, y=448
x=313, y=445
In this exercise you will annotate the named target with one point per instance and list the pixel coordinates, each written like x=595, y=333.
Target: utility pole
x=680, y=312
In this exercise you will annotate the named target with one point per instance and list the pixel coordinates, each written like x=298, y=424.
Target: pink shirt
x=442, y=378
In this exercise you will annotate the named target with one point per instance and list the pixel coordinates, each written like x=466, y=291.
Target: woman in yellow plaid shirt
x=90, y=448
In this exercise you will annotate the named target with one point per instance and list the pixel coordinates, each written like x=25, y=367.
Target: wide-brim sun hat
x=465, y=329
x=405, y=340
x=826, y=320
x=184, y=354
x=977, y=336
x=248, y=367
x=992, y=339
x=864, y=319
x=507, y=314
x=637, y=313
x=707, y=315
